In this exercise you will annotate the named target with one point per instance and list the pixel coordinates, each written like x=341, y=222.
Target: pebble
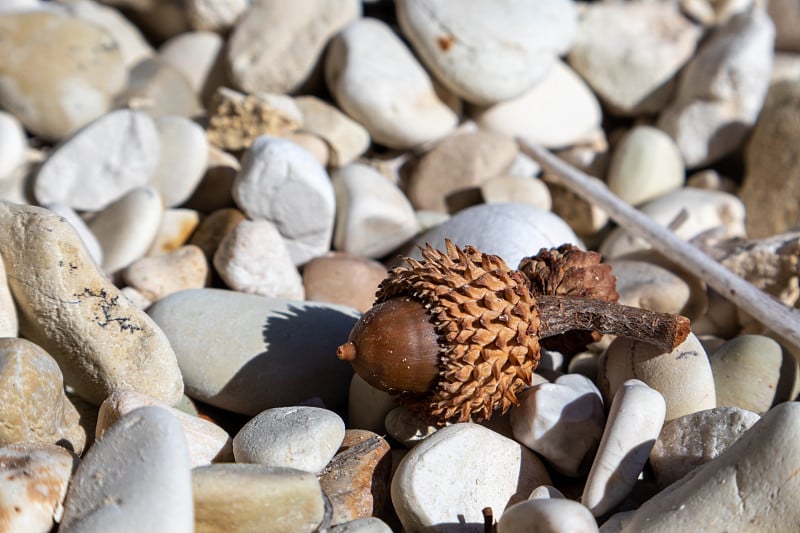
x=545, y=492
x=786, y=15
x=254, y=258
x=131, y=481
x=251, y=497
x=214, y=227
x=649, y=286
x=634, y=422
x=746, y=372
x=750, y=486
x=100, y=163
x=214, y=190
x=523, y=190
x=158, y=89
x=458, y=471
x=486, y=55
x=557, y=112
x=85, y=70
x=346, y=138
x=367, y=406
x=711, y=12
x=277, y=60
x=127, y=227
x=342, y=278
x=283, y=183
x=376, y=80
x=561, y=421
x=302, y=438
x=631, y=53
x=449, y=175
x=159, y=20
x=357, y=478
x=682, y=376
x=135, y=297
x=182, y=161
x=77, y=315
x=206, y=442
x=177, y=226
x=721, y=89
x=158, y=277
x=9, y=323
x=373, y=216
x=213, y=15
x=34, y=408
x=13, y=145
x=311, y=143
x=197, y=55
x=79, y=225
x=693, y=440
x=547, y=516
x=247, y=353
x=33, y=483
x=406, y=428
x=362, y=525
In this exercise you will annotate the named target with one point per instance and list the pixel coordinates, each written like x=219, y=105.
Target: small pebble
x=346, y=138
x=649, y=286
x=182, y=160
x=368, y=406
x=406, y=428
x=13, y=145
x=157, y=277
x=9, y=322
x=214, y=227
x=523, y=190
x=545, y=492
x=213, y=15
x=197, y=56
x=158, y=89
x=177, y=226
x=547, y=516
x=345, y=279
x=87, y=237
x=362, y=525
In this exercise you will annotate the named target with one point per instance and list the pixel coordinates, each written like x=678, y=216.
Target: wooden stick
x=776, y=316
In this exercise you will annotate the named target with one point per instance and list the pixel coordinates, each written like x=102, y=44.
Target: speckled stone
x=746, y=372
x=160, y=276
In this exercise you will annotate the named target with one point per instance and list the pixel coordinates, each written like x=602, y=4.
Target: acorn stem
x=559, y=314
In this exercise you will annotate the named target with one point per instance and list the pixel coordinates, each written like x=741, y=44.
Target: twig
x=778, y=317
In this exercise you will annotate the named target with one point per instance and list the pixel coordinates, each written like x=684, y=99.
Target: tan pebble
x=213, y=228
x=315, y=145
x=9, y=325
x=342, y=278
x=346, y=138
x=156, y=277
x=214, y=190
x=177, y=225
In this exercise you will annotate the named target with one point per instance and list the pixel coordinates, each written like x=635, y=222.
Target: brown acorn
x=456, y=335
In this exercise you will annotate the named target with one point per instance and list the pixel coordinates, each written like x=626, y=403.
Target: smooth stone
x=645, y=164
x=785, y=67
x=547, y=516
x=77, y=315
x=159, y=89
x=617, y=521
x=213, y=15
x=362, y=525
x=85, y=69
x=183, y=158
x=786, y=15
x=545, y=492
x=631, y=53
x=650, y=286
x=34, y=408
x=303, y=438
x=9, y=323
x=523, y=190
x=214, y=227
x=283, y=183
x=357, y=478
x=158, y=277
x=344, y=279
x=406, y=428
x=634, y=422
x=457, y=166
x=127, y=227
x=367, y=406
x=713, y=12
x=750, y=486
x=254, y=258
x=136, y=477
x=314, y=145
x=198, y=56
x=251, y=497
x=561, y=421
x=746, y=372
x=247, y=353
x=33, y=483
x=486, y=53
x=346, y=138
x=682, y=376
x=511, y=231
x=376, y=80
x=585, y=218
x=698, y=210
x=81, y=228
x=557, y=112
x=100, y=163
x=444, y=481
x=136, y=298
x=206, y=442
x=159, y=20
x=721, y=90
x=177, y=226
x=13, y=145
x=693, y=440
x=214, y=190
x=373, y=216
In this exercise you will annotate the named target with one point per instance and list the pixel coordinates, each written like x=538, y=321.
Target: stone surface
x=214, y=15
x=247, y=353
x=87, y=237
x=136, y=477
x=157, y=277
x=213, y=228
x=486, y=53
x=406, y=428
x=101, y=341
x=85, y=69
x=634, y=422
x=283, y=183
x=101, y=162
x=33, y=483
x=650, y=286
x=177, y=226
x=34, y=408
x=13, y=145
x=346, y=138
x=214, y=190
x=523, y=190
x=158, y=89
x=786, y=15
x=362, y=525
x=251, y=497
x=746, y=372
x=198, y=56
x=377, y=81
x=342, y=278
x=367, y=406
x=9, y=323
x=693, y=440
x=182, y=161
x=444, y=481
x=547, y=516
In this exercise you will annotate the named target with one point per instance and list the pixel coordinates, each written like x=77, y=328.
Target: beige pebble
x=547, y=516
x=177, y=225
x=313, y=144
x=342, y=278
x=157, y=88
x=524, y=190
x=346, y=138
x=157, y=277
x=214, y=227
x=9, y=324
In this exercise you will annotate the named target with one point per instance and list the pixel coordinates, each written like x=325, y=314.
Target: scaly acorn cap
x=488, y=330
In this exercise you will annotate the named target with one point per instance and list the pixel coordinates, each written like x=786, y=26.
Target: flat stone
x=182, y=161
x=176, y=228
x=101, y=162
x=247, y=353
x=13, y=145
x=197, y=55
x=158, y=89
x=136, y=477
x=346, y=138
x=157, y=277
x=547, y=516
x=33, y=483
x=251, y=497
x=693, y=440
x=376, y=80
x=344, y=279
x=77, y=315
x=283, y=183
x=34, y=408
x=214, y=227
x=444, y=480
x=367, y=406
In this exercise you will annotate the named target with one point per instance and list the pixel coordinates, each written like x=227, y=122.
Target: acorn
x=456, y=335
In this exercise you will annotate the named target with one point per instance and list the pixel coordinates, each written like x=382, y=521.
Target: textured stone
x=746, y=372
x=547, y=516
x=214, y=15
x=362, y=525
x=346, y=138
x=157, y=277
x=213, y=228
x=344, y=279
x=650, y=286
x=87, y=237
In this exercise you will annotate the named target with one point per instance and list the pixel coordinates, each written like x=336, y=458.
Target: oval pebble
x=367, y=406
x=160, y=276
x=344, y=279
x=182, y=159
x=547, y=516
x=346, y=138
x=406, y=428
x=13, y=144
x=196, y=55
x=87, y=237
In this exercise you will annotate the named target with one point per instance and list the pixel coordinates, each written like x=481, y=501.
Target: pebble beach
x=199, y=201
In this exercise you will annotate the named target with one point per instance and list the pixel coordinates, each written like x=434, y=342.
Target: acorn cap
x=487, y=325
